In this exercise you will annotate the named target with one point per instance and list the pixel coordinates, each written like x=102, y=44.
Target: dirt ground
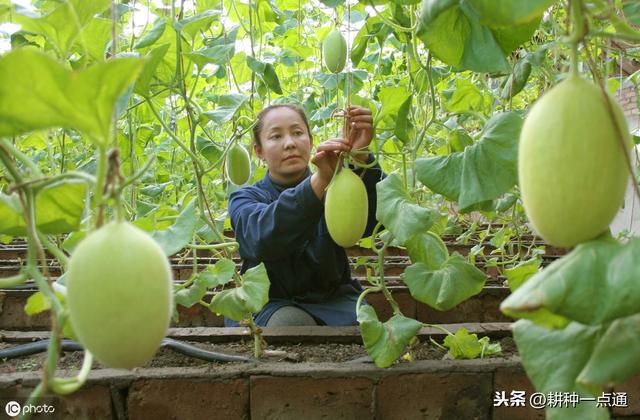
x=286, y=353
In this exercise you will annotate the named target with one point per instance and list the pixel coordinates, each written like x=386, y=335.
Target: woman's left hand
x=361, y=132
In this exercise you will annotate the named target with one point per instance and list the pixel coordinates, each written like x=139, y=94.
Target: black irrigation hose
x=70, y=345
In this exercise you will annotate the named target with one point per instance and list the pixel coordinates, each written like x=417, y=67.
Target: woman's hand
x=361, y=132
x=326, y=159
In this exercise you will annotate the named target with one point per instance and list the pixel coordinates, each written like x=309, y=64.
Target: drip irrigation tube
x=175, y=345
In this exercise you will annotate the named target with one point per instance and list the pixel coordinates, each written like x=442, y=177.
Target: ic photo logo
x=12, y=409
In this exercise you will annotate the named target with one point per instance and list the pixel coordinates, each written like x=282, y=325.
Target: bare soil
x=287, y=353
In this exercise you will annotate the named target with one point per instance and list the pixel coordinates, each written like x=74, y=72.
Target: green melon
x=346, y=208
x=334, y=51
x=238, y=164
x=571, y=164
x=119, y=291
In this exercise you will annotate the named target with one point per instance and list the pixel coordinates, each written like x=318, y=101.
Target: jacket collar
x=268, y=182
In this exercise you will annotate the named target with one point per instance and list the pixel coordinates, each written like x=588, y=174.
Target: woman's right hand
x=326, y=159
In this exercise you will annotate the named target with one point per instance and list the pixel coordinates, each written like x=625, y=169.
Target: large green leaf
x=398, y=212
x=178, y=235
x=445, y=287
x=63, y=24
x=616, y=357
x=242, y=301
x=385, y=342
x=94, y=38
x=37, y=92
x=153, y=35
x=193, y=25
x=595, y=283
x=59, y=209
x=509, y=12
x=218, y=54
x=427, y=248
x=452, y=30
x=481, y=172
x=464, y=96
x=227, y=106
x=553, y=360
x=523, y=271
x=372, y=28
x=266, y=72
x=154, y=58
x=391, y=99
x=209, y=278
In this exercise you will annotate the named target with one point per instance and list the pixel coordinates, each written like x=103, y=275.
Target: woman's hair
x=260, y=123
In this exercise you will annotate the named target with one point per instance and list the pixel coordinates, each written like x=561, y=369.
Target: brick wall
x=627, y=98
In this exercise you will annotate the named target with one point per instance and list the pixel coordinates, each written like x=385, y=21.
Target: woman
x=280, y=220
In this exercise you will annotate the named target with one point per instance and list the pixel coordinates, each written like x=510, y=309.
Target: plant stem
x=577, y=33
x=66, y=386
x=13, y=281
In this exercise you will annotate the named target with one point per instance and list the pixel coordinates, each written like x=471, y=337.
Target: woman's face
x=285, y=145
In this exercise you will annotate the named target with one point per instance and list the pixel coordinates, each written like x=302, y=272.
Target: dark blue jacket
x=285, y=228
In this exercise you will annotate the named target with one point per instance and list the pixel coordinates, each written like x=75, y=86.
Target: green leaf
x=211, y=277
x=517, y=79
x=218, y=274
x=155, y=190
x=385, y=342
x=509, y=12
x=178, y=235
x=242, y=301
x=154, y=58
x=270, y=78
x=403, y=122
x=37, y=303
x=365, y=35
x=481, y=172
x=399, y=213
x=616, y=357
x=447, y=286
x=391, y=99
x=465, y=96
x=463, y=345
x=210, y=150
x=193, y=25
x=632, y=12
x=59, y=209
x=516, y=276
x=553, y=360
x=266, y=72
x=427, y=248
x=332, y=3
x=459, y=140
x=191, y=295
x=218, y=54
x=453, y=32
x=62, y=25
x=153, y=35
x=37, y=92
x=94, y=38
x=227, y=106
x=583, y=286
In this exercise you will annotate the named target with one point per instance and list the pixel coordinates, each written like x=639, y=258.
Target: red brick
x=434, y=396
x=90, y=402
x=184, y=399
x=383, y=309
x=197, y=316
x=514, y=379
x=484, y=307
x=284, y=398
